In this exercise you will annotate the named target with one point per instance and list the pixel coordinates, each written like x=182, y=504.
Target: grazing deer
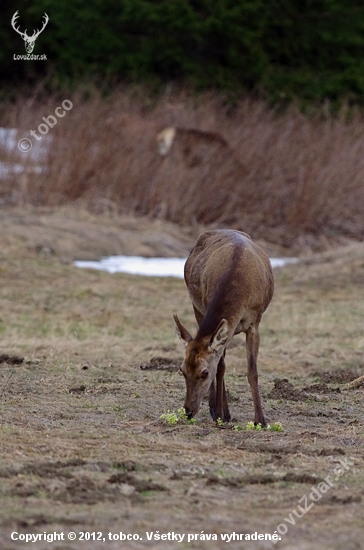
x=230, y=282
x=190, y=139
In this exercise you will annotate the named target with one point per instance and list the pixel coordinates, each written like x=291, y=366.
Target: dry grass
x=72, y=233
x=281, y=177
x=88, y=331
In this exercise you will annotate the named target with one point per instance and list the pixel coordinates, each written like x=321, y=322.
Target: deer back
x=229, y=277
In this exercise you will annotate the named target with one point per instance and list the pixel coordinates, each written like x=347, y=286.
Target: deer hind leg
x=218, y=402
x=252, y=348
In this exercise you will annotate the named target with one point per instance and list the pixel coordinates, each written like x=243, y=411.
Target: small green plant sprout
x=237, y=428
x=276, y=427
x=183, y=416
x=172, y=418
x=219, y=422
x=252, y=426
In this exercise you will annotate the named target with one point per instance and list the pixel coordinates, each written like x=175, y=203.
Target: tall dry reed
x=277, y=176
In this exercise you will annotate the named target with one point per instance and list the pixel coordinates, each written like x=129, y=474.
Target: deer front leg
x=219, y=407
x=252, y=349
x=212, y=400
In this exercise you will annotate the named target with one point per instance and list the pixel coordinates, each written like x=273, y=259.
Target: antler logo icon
x=29, y=40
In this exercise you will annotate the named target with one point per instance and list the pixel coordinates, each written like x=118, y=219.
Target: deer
x=190, y=137
x=230, y=282
x=29, y=40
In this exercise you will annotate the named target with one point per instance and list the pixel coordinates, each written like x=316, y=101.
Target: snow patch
x=156, y=267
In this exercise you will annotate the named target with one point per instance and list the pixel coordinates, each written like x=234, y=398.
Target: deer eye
x=205, y=373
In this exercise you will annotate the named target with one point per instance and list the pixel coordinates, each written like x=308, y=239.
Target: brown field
x=83, y=448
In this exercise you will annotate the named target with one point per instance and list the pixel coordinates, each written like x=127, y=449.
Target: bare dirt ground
x=74, y=234
x=89, y=362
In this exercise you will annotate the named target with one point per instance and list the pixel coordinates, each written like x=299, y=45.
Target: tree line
x=278, y=49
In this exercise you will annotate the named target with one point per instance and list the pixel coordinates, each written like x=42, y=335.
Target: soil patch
x=321, y=388
x=341, y=376
x=77, y=389
x=284, y=389
x=11, y=359
x=346, y=499
x=162, y=363
x=139, y=485
x=262, y=479
x=255, y=446
x=84, y=490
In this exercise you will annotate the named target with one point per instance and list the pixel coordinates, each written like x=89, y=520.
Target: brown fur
x=230, y=282
x=190, y=138
x=198, y=149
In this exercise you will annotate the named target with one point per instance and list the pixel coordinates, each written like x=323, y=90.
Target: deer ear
x=182, y=332
x=220, y=337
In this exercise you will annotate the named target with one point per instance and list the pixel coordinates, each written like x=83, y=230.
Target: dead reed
x=278, y=176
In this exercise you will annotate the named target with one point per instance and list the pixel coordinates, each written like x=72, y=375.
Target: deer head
x=201, y=360
x=29, y=40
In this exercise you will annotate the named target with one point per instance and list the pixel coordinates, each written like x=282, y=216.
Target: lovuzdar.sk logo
x=29, y=41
